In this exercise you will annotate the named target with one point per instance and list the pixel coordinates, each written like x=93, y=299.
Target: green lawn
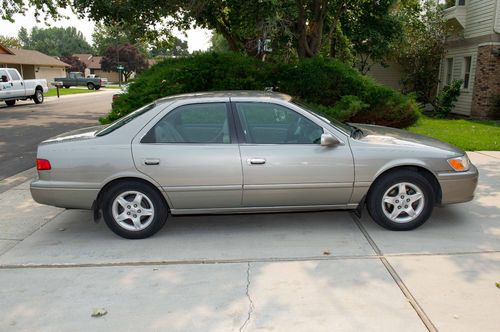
x=52, y=91
x=466, y=134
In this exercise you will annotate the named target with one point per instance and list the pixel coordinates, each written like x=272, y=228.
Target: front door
x=284, y=163
x=191, y=152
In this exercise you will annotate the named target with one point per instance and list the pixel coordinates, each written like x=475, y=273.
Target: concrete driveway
x=272, y=272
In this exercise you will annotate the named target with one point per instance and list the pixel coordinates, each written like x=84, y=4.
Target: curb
x=15, y=180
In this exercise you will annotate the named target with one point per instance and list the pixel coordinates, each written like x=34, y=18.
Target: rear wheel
x=38, y=97
x=401, y=200
x=134, y=210
x=90, y=86
x=97, y=87
x=10, y=102
x=66, y=86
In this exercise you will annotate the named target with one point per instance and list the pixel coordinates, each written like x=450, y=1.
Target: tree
x=172, y=47
x=421, y=48
x=10, y=41
x=55, y=41
x=74, y=62
x=126, y=55
x=219, y=44
x=114, y=33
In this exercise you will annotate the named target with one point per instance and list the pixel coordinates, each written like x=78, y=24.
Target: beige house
x=32, y=64
x=93, y=64
x=472, y=55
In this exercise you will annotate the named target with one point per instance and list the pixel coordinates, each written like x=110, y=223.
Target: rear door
x=193, y=154
x=16, y=83
x=283, y=161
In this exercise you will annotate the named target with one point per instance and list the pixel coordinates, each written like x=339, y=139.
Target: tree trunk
x=309, y=32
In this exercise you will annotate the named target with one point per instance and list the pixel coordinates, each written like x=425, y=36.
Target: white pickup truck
x=13, y=87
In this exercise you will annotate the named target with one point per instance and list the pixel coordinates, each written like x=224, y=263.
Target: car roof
x=250, y=94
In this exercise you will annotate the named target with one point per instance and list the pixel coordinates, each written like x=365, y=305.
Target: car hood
x=391, y=136
x=75, y=135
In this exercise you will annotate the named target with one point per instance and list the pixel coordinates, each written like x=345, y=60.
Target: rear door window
x=206, y=123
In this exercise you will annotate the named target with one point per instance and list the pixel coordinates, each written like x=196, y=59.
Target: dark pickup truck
x=77, y=79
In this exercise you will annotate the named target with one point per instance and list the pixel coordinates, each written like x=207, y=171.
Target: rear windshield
x=126, y=119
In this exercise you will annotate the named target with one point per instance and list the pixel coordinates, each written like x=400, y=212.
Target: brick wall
x=487, y=82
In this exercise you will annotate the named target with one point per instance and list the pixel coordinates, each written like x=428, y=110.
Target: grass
x=469, y=135
x=62, y=92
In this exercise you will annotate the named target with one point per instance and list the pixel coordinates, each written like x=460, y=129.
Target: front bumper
x=70, y=198
x=458, y=187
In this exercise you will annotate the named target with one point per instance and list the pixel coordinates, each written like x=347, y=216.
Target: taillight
x=43, y=165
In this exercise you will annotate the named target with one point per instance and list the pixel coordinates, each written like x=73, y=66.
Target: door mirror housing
x=329, y=140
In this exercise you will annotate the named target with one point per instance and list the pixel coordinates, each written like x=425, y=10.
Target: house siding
x=389, y=76
x=464, y=102
x=480, y=18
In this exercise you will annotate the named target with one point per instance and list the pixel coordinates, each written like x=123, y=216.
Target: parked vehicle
x=13, y=87
x=241, y=152
x=77, y=79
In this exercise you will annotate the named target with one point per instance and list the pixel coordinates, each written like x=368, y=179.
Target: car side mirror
x=5, y=78
x=329, y=140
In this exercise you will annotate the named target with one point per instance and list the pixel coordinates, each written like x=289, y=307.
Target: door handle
x=256, y=161
x=151, y=162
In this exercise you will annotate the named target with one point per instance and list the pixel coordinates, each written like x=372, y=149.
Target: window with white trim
x=467, y=68
x=449, y=70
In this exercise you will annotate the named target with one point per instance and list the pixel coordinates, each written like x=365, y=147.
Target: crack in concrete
x=251, y=306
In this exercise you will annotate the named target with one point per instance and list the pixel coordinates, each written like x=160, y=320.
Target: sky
x=198, y=39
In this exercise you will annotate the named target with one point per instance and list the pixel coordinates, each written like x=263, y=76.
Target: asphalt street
x=26, y=124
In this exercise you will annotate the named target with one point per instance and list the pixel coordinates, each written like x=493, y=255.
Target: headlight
x=460, y=164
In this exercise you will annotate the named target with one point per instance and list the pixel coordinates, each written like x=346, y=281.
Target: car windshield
x=126, y=119
x=325, y=117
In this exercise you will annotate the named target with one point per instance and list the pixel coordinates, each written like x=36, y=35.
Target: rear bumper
x=69, y=198
x=458, y=187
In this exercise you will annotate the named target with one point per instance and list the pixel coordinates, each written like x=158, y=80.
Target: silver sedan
x=243, y=152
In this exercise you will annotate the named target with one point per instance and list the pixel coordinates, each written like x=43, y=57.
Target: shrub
x=445, y=100
x=334, y=87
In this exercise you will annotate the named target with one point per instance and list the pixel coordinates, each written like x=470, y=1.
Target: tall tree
x=421, y=47
x=125, y=55
x=114, y=33
x=10, y=41
x=55, y=41
x=171, y=47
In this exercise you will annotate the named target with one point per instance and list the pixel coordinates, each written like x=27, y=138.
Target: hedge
x=335, y=88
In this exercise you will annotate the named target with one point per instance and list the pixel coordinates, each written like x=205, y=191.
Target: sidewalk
x=271, y=272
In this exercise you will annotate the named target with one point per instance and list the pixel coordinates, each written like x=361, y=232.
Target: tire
x=66, y=86
x=152, y=207
x=90, y=86
x=10, y=102
x=38, y=96
x=97, y=87
x=400, y=190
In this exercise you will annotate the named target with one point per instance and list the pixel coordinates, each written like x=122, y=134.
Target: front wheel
x=38, y=97
x=90, y=86
x=97, y=87
x=10, y=102
x=134, y=210
x=400, y=201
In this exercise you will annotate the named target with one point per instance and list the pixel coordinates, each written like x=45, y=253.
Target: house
x=32, y=64
x=472, y=55
x=93, y=67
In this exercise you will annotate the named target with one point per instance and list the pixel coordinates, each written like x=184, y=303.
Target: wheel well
x=422, y=171
x=109, y=185
x=38, y=87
